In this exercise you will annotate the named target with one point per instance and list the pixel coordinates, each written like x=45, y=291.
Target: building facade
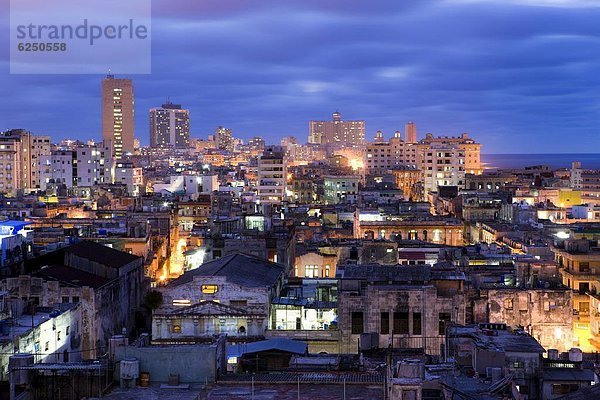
x=117, y=115
x=337, y=133
x=20, y=155
x=170, y=126
x=272, y=175
x=340, y=189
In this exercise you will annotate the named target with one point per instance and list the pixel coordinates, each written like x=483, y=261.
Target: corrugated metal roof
x=62, y=366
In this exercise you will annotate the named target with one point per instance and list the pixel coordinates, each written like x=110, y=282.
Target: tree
x=153, y=299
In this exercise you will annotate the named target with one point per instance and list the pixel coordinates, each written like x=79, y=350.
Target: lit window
x=209, y=289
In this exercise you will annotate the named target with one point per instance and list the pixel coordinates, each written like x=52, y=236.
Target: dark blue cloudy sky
x=521, y=76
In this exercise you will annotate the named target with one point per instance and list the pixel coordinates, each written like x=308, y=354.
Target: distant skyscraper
x=411, y=132
x=337, y=133
x=256, y=144
x=169, y=126
x=224, y=138
x=117, y=114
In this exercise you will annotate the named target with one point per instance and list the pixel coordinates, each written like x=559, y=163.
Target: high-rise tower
x=117, y=114
x=411, y=132
x=169, y=126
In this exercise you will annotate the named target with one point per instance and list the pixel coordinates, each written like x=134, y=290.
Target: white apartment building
x=57, y=168
x=131, y=176
x=272, y=175
x=443, y=160
x=80, y=167
x=192, y=185
x=441, y=165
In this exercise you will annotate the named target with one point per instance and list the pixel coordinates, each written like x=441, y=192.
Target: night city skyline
x=303, y=199
x=524, y=71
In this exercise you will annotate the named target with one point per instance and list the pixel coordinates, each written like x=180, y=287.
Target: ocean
x=556, y=161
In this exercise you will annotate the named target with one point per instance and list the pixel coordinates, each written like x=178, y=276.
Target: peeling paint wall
x=546, y=314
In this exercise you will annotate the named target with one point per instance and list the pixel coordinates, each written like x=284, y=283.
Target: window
x=65, y=299
x=209, y=289
x=384, y=326
x=417, y=325
x=311, y=271
x=176, y=327
x=400, y=322
x=47, y=346
x=75, y=299
x=584, y=287
x=67, y=330
x=508, y=304
x=444, y=319
x=564, y=388
x=58, y=335
x=357, y=322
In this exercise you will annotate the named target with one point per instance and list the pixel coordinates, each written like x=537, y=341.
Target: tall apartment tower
x=272, y=175
x=224, y=139
x=117, y=114
x=337, y=133
x=170, y=126
x=411, y=132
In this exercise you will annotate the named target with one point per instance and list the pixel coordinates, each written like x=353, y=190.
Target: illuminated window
x=311, y=271
x=176, y=327
x=209, y=289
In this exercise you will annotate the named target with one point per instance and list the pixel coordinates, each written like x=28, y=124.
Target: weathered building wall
x=391, y=299
x=253, y=300
x=105, y=311
x=546, y=314
x=193, y=364
x=55, y=339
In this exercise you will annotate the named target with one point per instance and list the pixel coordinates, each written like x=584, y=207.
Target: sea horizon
x=554, y=160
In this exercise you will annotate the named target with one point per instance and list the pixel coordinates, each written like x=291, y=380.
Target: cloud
x=506, y=73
